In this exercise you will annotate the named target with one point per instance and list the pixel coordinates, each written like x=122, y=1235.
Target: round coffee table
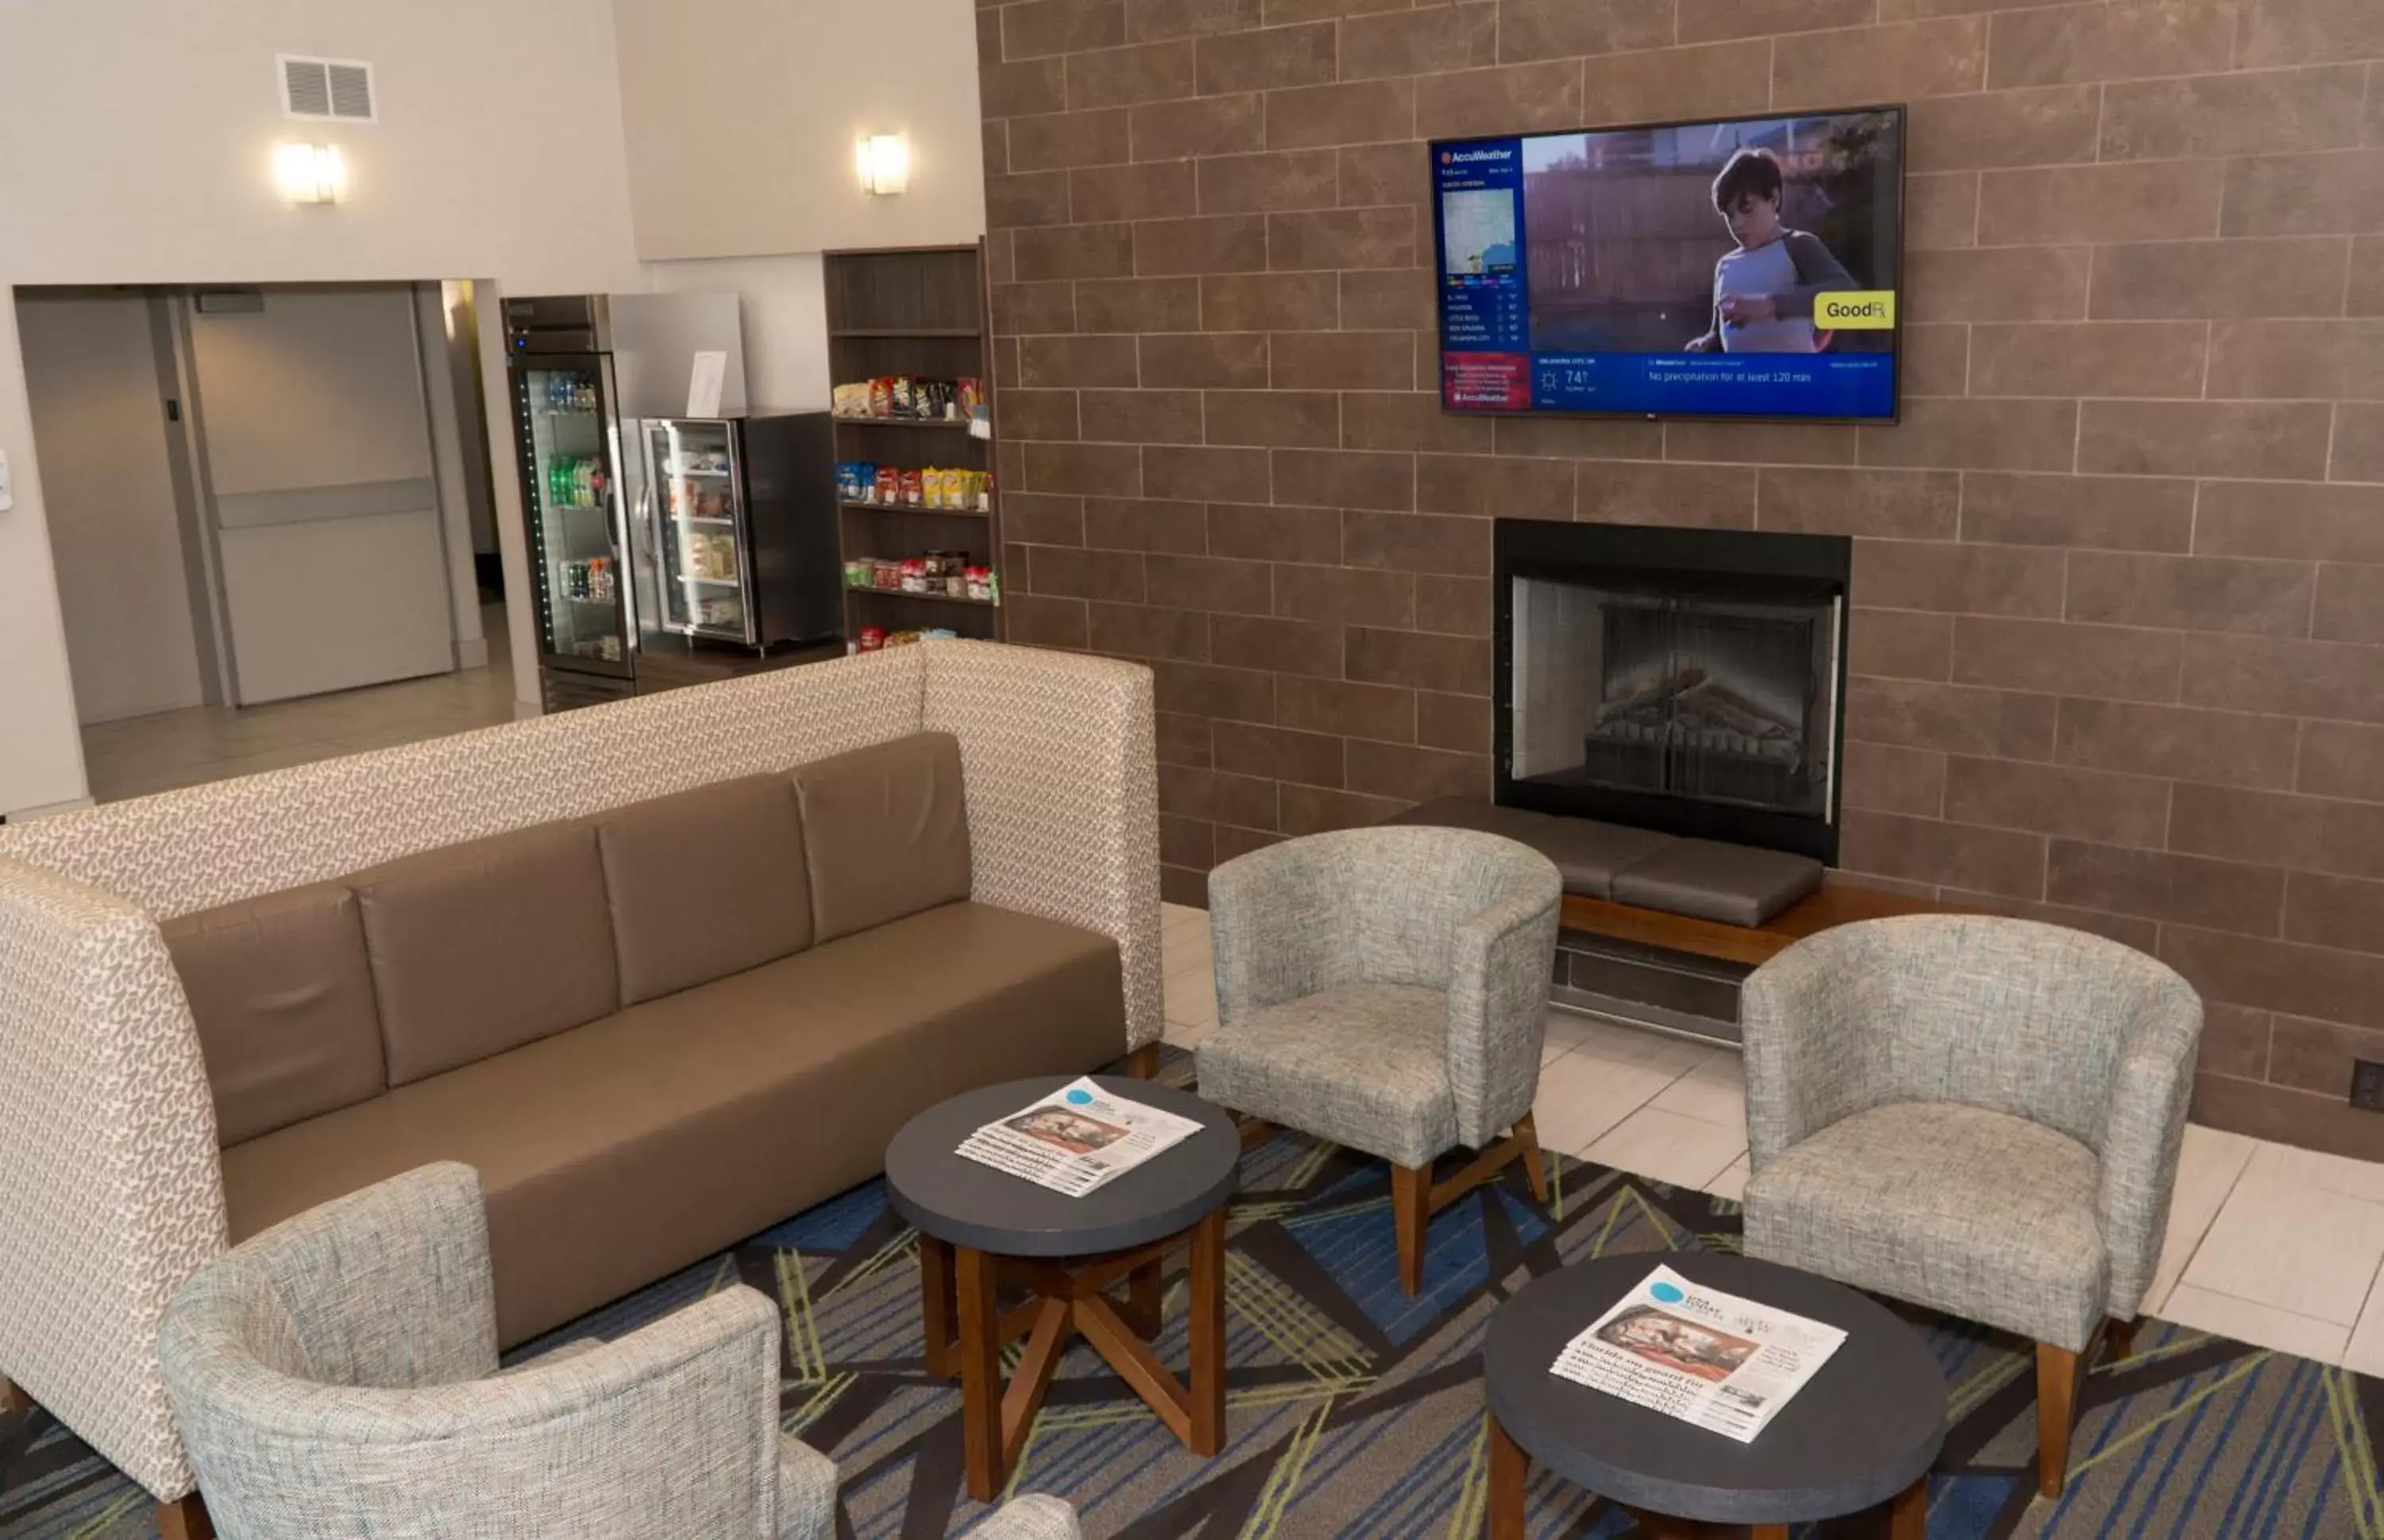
x=979, y=1226
x=1864, y=1430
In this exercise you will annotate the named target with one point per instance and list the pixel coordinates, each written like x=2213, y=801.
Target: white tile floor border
x=2269, y=1245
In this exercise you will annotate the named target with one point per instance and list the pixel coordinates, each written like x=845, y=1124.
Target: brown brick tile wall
x=2119, y=641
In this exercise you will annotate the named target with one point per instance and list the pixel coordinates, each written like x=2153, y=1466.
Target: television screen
x=1740, y=268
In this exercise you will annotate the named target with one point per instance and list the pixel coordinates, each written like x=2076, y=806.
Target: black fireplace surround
x=1686, y=680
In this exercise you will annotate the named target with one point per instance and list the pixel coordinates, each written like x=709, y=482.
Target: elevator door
x=323, y=492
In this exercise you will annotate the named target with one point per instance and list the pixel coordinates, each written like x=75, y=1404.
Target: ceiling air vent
x=337, y=90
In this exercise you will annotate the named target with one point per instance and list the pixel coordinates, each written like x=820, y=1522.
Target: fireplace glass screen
x=1661, y=687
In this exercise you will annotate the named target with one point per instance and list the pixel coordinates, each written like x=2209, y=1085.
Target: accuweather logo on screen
x=1450, y=157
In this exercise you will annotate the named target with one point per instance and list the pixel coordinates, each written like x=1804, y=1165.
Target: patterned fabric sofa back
x=209, y=845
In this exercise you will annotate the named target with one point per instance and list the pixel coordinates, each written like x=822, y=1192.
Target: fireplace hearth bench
x=1733, y=903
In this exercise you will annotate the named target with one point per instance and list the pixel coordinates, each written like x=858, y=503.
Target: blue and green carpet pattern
x=1355, y=1413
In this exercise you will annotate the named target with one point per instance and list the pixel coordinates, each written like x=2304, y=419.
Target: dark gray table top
x=1863, y=1429
x=960, y=1201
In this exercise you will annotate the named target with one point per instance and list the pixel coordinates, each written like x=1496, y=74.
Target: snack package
x=872, y=638
x=865, y=481
x=913, y=489
x=850, y=400
x=985, y=491
x=969, y=395
x=905, y=396
x=890, y=485
x=931, y=487
x=881, y=396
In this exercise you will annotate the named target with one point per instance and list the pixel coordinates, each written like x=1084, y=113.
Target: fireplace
x=1686, y=680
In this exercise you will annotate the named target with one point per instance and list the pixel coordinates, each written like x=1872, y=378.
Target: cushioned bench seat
x=612, y=1153
x=1737, y=885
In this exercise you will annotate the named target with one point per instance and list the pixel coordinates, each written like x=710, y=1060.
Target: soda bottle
x=555, y=483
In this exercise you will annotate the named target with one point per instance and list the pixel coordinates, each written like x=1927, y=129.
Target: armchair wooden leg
x=2056, y=1410
x=14, y=1402
x=1143, y=1063
x=1410, y=1215
x=1907, y=1512
x=1526, y=1138
x=2120, y=1337
x=185, y=1519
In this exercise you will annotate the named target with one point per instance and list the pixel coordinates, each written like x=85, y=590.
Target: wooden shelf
x=927, y=597
x=919, y=311
x=915, y=508
x=959, y=423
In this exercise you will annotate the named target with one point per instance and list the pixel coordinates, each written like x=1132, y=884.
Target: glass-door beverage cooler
x=565, y=419
x=735, y=522
x=702, y=579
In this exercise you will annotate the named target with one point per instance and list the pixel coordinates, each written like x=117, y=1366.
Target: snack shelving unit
x=920, y=311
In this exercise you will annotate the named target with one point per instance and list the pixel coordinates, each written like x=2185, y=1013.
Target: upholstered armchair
x=335, y=1377
x=1977, y=1115
x=1386, y=989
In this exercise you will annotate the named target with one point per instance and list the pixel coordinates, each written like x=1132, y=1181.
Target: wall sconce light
x=309, y=173
x=885, y=161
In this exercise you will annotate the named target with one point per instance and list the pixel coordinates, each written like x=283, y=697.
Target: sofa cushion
x=1738, y=884
x=1979, y=1214
x=705, y=883
x=1365, y=1065
x=483, y=947
x=283, y=1000
x=885, y=832
x=618, y=1153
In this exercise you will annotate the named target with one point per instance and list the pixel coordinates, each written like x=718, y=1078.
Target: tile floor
x=138, y=755
x=2277, y=1246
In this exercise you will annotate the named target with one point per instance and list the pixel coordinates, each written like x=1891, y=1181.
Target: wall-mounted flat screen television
x=1741, y=267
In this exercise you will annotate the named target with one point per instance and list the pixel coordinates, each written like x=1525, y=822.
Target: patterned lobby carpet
x=1355, y=1413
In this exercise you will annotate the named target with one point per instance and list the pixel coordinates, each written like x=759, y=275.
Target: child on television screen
x=1764, y=290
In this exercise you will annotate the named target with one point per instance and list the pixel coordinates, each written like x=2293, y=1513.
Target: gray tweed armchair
x=335, y=1377
x=1977, y=1115
x=1386, y=989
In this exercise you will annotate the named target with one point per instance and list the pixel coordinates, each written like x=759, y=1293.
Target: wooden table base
x=966, y=1330
x=1907, y=1512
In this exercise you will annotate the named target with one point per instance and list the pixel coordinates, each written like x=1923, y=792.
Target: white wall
x=498, y=150
x=782, y=311
x=40, y=749
x=740, y=118
x=498, y=156
x=90, y=373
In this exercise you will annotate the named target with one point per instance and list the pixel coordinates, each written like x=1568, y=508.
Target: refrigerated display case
x=736, y=521
x=584, y=368
x=563, y=406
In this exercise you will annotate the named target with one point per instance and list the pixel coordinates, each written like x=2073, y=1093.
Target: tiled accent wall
x=2120, y=643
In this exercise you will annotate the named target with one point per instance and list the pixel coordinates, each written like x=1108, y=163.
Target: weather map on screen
x=1745, y=268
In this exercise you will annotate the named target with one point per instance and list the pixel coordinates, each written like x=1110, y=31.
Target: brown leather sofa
x=654, y=1030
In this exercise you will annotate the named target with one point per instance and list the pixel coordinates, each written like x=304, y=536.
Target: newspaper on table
x=1077, y=1139
x=1717, y=1360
